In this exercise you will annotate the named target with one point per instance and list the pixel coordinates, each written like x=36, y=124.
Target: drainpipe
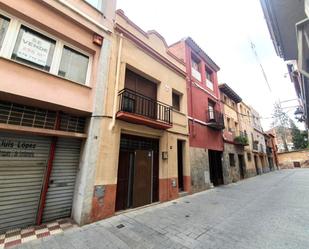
x=112, y=125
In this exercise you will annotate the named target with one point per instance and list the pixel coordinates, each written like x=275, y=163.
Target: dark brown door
x=142, y=187
x=215, y=167
x=155, y=177
x=180, y=164
x=256, y=165
x=145, y=100
x=296, y=164
x=140, y=85
x=123, y=180
x=241, y=162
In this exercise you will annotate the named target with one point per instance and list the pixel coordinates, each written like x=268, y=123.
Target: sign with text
x=16, y=148
x=33, y=48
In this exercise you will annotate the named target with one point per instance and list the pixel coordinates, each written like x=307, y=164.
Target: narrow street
x=267, y=211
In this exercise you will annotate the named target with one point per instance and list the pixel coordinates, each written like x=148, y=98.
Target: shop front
x=37, y=172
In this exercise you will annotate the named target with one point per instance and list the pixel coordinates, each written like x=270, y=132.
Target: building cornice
x=146, y=48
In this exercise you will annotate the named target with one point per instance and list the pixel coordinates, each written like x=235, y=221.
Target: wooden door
x=123, y=180
x=145, y=99
x=142, y=186
x=180, y=164
x=241, y=166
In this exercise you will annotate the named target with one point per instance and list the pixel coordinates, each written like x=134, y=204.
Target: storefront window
x=74, y=65
x=34, y=49
x=4, y=24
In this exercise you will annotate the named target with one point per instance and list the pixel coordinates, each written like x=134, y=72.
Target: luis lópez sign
x=16, y=148
x=34, y=49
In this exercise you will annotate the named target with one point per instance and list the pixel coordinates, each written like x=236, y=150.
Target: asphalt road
x=267, y=211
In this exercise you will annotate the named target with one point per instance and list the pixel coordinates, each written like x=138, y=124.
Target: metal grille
x=15, y=114
x=138, y=143
x=21, y=176
x=71, y=123
x=60, y=193
x=133, y=102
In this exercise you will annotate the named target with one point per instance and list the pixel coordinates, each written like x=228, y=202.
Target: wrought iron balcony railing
x=215, y=120
x=137, y=104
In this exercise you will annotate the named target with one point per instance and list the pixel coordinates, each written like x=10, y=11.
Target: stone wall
x=231, y=173
x=200, y=178
x=288, y=159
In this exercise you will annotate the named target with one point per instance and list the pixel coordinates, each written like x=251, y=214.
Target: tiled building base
x=19, y=236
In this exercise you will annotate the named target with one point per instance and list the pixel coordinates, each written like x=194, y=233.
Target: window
x=232, y=159
x=249, y=157
x=95, y=3
x=224, y=99
x=34, y=49
x=4, y=24
x=195, y=68
x=229, y=125
x=43, y=51
x=211, y=110
x=233, y=104
x=236, y=128
x=245, y=134
x=195, y=64
x=176, y=101
x=209, y=79
x=74, y=65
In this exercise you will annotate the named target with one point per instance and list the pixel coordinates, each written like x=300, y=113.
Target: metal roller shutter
x=23, y=160
x=60, y=193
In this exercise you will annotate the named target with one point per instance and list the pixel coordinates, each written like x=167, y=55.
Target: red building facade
x=205, y=115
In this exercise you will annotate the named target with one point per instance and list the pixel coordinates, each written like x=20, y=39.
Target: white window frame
x=99, y=7
x=210, y=84
x=10, y=39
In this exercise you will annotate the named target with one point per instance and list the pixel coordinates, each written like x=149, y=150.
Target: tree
x=299, y=138
x=281, y=121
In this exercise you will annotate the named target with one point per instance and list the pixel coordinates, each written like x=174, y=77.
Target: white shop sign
x=34, y=49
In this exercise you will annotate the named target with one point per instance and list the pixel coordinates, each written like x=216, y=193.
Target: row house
x=204, y=115
x=271, y=151
x=146, y=157
x=245, y=123
x=258, y=145
x=53, y=64
x=235, y=139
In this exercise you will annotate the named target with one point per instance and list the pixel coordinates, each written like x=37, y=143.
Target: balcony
x=241, y=140
x=139, y=109
x=215, y=120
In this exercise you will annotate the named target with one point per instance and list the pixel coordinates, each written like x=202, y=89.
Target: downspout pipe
x=112, y=125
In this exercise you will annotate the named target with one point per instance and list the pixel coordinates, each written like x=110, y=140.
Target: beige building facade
x=246, y=125
x=259, y=145
x=146, y=158
x=235, y=140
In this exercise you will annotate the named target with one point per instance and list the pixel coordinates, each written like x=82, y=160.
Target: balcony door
x=211, y=110
x=144, y=102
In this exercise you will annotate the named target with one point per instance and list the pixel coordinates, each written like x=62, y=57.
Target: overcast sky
x=223, y=29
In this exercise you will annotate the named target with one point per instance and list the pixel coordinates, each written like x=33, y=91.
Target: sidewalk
x=268, y=211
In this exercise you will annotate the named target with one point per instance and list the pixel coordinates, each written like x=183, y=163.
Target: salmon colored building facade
x=53, y=64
